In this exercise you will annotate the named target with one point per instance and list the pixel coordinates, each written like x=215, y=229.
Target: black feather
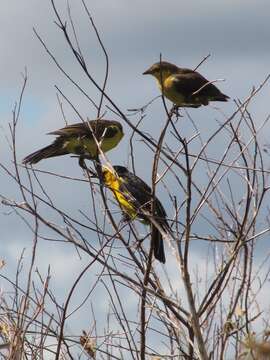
x=140, y=196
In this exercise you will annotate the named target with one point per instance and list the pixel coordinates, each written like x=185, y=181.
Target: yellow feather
x=89, y=145
x=114, y=182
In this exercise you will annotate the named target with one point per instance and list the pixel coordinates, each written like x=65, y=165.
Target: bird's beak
x=147, y=72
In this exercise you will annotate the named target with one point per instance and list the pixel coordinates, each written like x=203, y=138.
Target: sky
x=135, y=34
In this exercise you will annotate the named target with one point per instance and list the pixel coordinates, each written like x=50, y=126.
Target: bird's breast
x=115, y=185
x=109, y=143
x=170, y=92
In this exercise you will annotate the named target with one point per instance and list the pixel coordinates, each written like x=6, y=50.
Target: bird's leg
x=84, y=167
x=175, y=111
x=82, y=163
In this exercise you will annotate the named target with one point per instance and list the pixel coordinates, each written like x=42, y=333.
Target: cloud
x=134, y=33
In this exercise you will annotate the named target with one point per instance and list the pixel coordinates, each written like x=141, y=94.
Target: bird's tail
x=159, y=252
x=47, y=152
x=221, y=97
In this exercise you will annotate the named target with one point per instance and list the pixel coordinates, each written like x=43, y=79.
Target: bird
x=134, y=197
x=184, y=87
x=79, y=139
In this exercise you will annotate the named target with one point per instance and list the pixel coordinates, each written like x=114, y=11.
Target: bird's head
x=107, y=174
x=120, y=170
x=112, y=175
x=161, y=70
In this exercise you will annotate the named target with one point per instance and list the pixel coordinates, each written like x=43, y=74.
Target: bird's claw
x=175, y=111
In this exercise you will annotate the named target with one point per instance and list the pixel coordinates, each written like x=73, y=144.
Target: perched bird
x=134, y=197
x=78, y=139
x=184, y=87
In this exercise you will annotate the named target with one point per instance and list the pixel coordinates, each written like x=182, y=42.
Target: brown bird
x=79, y=139
x=184, y=87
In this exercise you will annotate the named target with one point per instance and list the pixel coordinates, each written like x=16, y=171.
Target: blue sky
x=135, y=33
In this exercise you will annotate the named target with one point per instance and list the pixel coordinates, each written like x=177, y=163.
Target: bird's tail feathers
x=44, y=153
x=159, y=252
x=221, y=97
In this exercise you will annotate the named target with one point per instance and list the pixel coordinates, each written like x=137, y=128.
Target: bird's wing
x=78, y=129
x=188, y=82
x=136, y=190
x=139, y=194
x=99, y=128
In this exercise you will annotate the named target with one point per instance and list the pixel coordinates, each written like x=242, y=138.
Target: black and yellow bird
x=184, y=87
x=81, y=139
x=135, y=200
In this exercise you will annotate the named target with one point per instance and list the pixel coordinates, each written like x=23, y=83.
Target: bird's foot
x=175, y=111
x=82, y=164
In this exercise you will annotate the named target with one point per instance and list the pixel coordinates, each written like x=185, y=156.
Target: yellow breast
x=85, y=145
x=109, y=143
x=170, y=92
x=114, y=183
